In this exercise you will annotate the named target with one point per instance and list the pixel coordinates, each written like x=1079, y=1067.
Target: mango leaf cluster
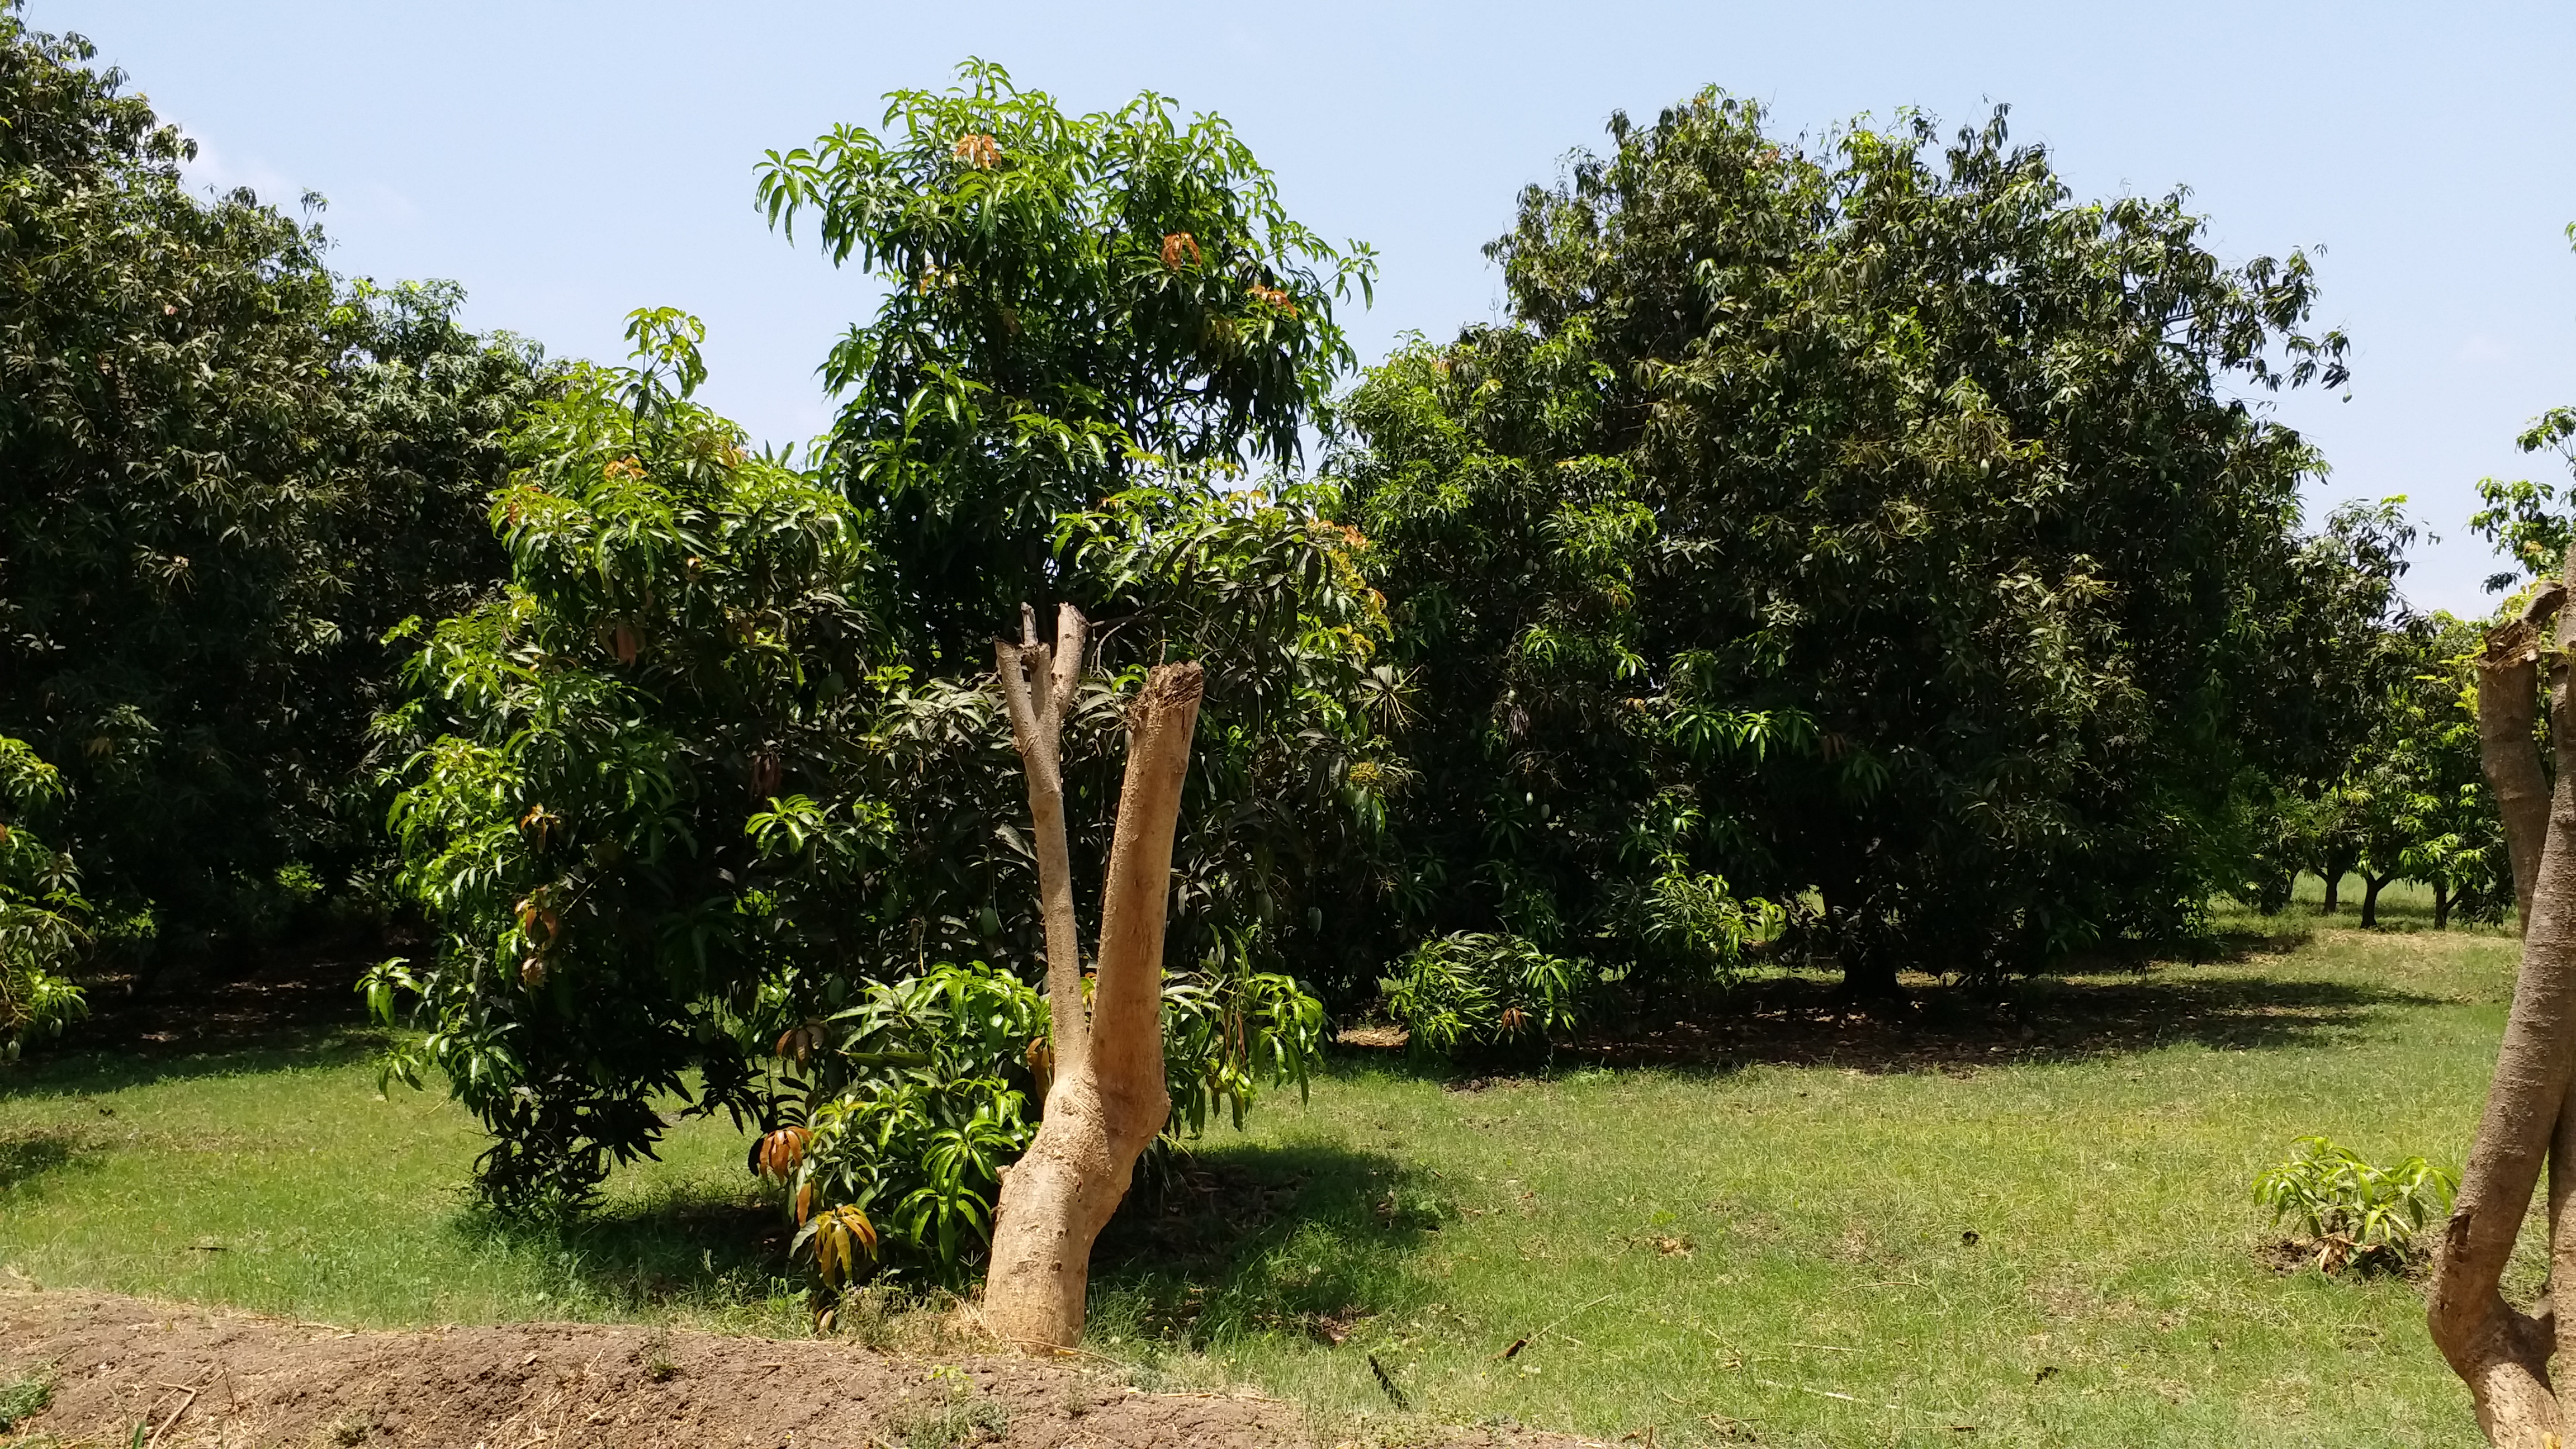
x=900, y=1112
x=625, y=791
x=1074, y=304
x=41, y=910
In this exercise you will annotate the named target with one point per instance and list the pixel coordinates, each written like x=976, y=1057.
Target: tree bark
x=2371, y=886
x=1108, y=1099
x=2501, y=1352
x=2441, y=905
x=2508, y=707
x=2336, y=868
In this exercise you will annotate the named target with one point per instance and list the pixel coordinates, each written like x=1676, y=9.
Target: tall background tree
x=224, y=474
x=1099, y=334
x=1871, y=519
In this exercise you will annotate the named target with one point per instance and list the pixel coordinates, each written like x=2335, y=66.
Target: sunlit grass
x=1783, y=1251
x=1742, y=1249
x=280, y=1181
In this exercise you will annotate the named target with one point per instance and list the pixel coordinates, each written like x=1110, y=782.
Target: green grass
x=279, y=1180
x=1765, y=1245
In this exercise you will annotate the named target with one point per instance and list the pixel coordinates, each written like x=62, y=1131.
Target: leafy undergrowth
x=2016, y=1220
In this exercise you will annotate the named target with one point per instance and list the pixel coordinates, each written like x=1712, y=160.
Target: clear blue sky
x=568, y=162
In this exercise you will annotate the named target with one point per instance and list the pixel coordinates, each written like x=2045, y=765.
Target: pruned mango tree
x=693, y=846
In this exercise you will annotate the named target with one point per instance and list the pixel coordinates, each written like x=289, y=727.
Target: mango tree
x=224, y=474
x=1872, y=518
x=1106, y=1100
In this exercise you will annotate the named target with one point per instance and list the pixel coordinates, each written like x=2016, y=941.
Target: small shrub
x=1693, y=929
x=1475, y=990
x=915, y=1099
x=896, y=1116
x=2354, y=1213
x=964, y=1417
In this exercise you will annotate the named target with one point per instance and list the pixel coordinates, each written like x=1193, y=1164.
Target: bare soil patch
x=208, y=1377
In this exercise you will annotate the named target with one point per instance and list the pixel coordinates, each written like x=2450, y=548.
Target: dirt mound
x=204, y=1377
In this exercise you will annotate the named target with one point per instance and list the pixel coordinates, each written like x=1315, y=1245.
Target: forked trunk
x=1108, y=1098
x=2371, y=886
x=2334, y=874
x=2508, y=706
x=2501, y=1352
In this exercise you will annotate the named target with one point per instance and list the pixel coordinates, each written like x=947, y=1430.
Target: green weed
x=25, y=1397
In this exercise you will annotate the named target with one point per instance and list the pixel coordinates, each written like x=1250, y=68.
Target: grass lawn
x=2024, y=1220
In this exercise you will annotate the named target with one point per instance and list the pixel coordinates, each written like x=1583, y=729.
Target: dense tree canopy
x=1872, y=519
x=1075, y=304
x=223, y=475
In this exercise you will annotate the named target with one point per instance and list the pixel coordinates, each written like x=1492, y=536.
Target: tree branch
x=1038, y=684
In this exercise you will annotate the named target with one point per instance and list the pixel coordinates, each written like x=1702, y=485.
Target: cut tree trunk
x=1108, y=1097
x=2508, y=707
x=2501, y=1352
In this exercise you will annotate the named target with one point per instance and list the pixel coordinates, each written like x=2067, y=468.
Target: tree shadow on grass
x=28, y=1156
x=88, y=1072
x=262, y=1010
x=1303, y=1239
x=674, y=1250
x=1805, y=1019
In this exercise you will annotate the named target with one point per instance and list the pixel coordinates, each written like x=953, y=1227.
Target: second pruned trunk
x=2508, y=708
x=2500, y=1351
x=1108, y=1098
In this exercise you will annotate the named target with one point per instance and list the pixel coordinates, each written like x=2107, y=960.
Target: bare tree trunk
x=2442, y=904
x=1108, y=1099
x=2501, y=1352
x=2336, y=868
x=2508, y=706
x=2371, y=886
